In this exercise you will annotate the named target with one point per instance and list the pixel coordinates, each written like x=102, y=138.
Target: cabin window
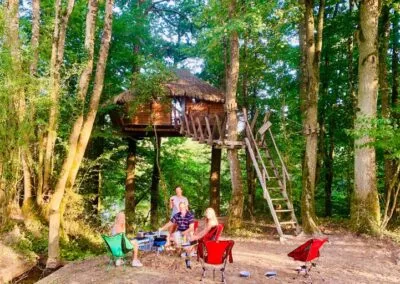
x=195, y=100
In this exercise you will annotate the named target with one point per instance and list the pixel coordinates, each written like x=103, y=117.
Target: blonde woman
x=119, y=227
x=211, y=222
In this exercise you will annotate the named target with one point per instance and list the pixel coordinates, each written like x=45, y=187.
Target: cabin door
x=178, y=109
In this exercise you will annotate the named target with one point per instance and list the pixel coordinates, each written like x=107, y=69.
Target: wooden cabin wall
x=203, y=108
x=155, y=113
x=161, y=113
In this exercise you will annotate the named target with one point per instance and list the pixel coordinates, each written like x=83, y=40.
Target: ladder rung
x=283, y=210
x=273, y=188
x=278, y=199
x=287, y=223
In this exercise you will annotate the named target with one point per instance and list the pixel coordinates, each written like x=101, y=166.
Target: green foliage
x=80, y=249
x=149, y=84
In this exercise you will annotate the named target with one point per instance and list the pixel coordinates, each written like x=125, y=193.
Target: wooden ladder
x=272, y=174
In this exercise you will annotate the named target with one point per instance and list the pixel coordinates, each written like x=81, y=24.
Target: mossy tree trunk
x=236, y=203
x=313, y=46
x=57, y=57
x=365, y=211
x=83, y=125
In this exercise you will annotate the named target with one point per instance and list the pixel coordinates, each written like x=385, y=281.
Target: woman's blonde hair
x=211, y=217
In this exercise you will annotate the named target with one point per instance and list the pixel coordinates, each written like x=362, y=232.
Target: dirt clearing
x=345, y=259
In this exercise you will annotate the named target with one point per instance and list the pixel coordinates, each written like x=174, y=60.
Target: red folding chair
x=216, y=254
x=212, y=235
x=307, y=252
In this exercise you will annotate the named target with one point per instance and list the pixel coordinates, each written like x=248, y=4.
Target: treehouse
x=190, y=106
x=195, y=109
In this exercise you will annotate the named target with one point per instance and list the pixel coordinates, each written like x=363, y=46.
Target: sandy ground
x=345, y=259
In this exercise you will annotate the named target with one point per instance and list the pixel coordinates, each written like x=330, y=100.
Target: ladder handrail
x=284, y=169
x=281, y=175
x=264, y=187
x=250, y=134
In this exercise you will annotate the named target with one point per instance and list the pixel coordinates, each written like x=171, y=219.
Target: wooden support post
x=219, y=127
x=130, y=185
x=215, y=175
x=187, y=125
x=209, y=132
x=154, y=190
x=254, y=121
x=224, y=123
x=182, y=121
x=194, y=127
x=201, y=134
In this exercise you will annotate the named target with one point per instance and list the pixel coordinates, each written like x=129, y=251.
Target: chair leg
x=223, y=275
x=203, y=274
x=214, y=274
x=110, y=263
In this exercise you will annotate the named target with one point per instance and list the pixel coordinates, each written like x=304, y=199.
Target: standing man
x=175, y=200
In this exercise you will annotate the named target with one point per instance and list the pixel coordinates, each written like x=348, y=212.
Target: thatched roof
x=186, y=85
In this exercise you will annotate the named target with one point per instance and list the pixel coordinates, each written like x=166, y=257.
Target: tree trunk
x=395, y=60
x=310, y=118
x=384, y=32
x=40, y=170
x=236, y=203
x=154, y=190
x=57, y=57
x=326, y=141
x=395, y=94
x=250, y=172
x=82, y=127
x=35, y=36
x=251, y=186
x=13, y=43
x=303, y=62
x=215, y=183
x=84, y=81
x=329, y=171
x=53, y=259
x=130, y=185
x=27, y=182
x=350, y=51
x=365, y=212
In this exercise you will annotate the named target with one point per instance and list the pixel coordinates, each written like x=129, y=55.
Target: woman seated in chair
x=119, y=227
x=211, y=222
x=209, y=232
